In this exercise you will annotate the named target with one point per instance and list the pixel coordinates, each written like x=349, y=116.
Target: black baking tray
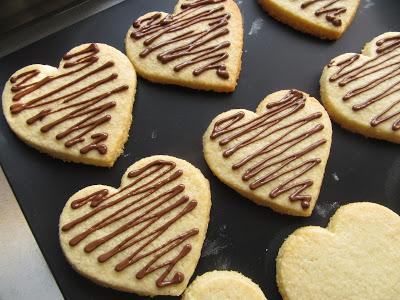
x=171, y=120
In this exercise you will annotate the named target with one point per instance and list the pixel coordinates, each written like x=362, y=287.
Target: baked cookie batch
x=146, y=236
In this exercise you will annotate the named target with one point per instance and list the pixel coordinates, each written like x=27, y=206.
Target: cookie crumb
x=154, y=134
x=256, y=26
x=335, y=176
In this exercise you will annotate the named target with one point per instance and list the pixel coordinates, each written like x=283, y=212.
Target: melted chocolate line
x=143, y=217
x=284, y=186
x=79, y=138
x=382, y=118
x=198, y=3
x=94, y=199
x=122, y=213
x=85, y=123
x=364, y=72
x=332, y=13
x=266, y=119
x=187, y=48
x=259, y=135
x=149, y=20
x=172, y=23
x=286, y=162
x=175, y=242
x=203, y=57
x=390, y=46
x=18, y=107
x=153, y=235
x=96, y=144
x=383, y=61
x=259, y=128
x=147, y=187
x=25, y=76
x=46, y=80
x=178, y=38
x=92, y=48
x=370, y=85
x=296, y=196
x=80, y=111
x=145, y=181
x=42, y=114
x=223, y=125
x=263, y=165
x=392, y=89
x=275, y=144
x=178, y=276
x=29, y=88
x=192, y=14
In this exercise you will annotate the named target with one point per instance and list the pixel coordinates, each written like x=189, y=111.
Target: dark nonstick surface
x=171, y=120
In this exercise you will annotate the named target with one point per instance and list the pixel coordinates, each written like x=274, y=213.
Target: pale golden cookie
x=357, y=257
x=362, y=91
x=223, y=285
x=327, y=19
x=275, y=157
x=198, y=46
x=144, y=237
x=80, y=112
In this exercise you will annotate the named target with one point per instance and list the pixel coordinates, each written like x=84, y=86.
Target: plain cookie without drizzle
x=327, y=19
x=80, y=112
x=198, y=46
x=276, y=156
x=357, y=257
x=223, y=285
x=361, y=92
x=144, y=237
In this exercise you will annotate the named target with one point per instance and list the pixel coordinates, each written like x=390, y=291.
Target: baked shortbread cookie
x=357, y=257
x=198, y=46
x=144, y=237
x=327, y=19
x=223, y=285
x=276, y=156
x=361, y=92
x=80, y=112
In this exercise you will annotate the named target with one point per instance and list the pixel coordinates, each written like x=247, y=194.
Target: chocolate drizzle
x=197, y=45
x=147, y=213
x=387, y=64
x=89, y=112
x=330, y=10
x=273, y=160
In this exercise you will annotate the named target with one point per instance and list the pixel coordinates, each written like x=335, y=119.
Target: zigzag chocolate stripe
x=388, y=58
x=144, y=208
x=88, y=114
x=278, y=163
x=198, y=44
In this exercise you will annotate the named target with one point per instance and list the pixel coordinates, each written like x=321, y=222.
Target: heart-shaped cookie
x=357, y=257
x=81, y=111
x=218, y=285
x=276, y=156
x=198, y=46
x=327, y=19
x=144, y=237
x=362, y=91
